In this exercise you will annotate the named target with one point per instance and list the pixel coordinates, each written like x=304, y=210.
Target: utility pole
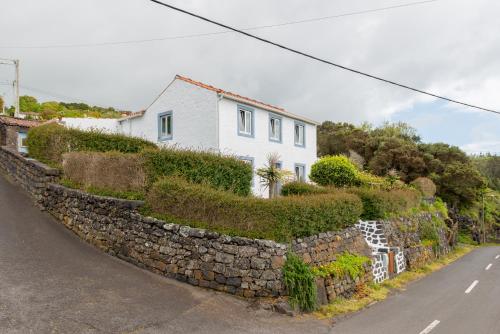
x=14, y=62
x=16, y=85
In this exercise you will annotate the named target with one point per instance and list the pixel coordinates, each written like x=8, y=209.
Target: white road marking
x=497, y=257
x=472, y=286
x=429, y=328
x=488, y=266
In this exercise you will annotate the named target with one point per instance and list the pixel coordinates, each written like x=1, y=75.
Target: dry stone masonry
x=241, y=266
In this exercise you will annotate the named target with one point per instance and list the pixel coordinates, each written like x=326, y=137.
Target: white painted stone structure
x=373, y=233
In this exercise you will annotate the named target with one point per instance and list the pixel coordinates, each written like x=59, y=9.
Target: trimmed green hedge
x=219, y=171
x=47, y=143
x=379, y=203
x=335, y=170
x=301, y=188
x=280, y=219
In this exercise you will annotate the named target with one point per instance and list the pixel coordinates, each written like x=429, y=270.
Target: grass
x=372, y=293
x=128, y=195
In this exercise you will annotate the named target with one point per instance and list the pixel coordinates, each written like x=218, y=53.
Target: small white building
x=191, y=114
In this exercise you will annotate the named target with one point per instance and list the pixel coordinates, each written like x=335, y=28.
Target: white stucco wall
x=107, y=125
x=259, y=146
x=194, y=112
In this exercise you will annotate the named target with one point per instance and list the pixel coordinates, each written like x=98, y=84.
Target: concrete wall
x=259, y=146
x=194, y=112
x=107, y=125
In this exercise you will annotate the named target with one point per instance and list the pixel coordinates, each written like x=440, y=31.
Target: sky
x=448, y=47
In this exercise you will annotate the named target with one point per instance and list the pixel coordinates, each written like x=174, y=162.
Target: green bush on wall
x=47, y=143
x=219, y=171
x=379, y=203
x=300, y=282
x=280, y=219
x=334, y=170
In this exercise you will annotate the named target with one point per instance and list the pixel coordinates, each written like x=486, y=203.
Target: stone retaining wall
x=236, y=265
x=32, y=175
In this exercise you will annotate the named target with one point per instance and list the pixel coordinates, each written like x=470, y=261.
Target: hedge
x=217, y=170
x=336, y=170
x=301, y=188
x=47, y=143
x=280, y=219
x=378, y=203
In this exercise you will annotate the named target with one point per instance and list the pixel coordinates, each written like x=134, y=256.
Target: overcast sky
x=449, y=47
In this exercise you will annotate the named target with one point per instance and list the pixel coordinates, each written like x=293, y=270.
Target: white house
x=191, y=114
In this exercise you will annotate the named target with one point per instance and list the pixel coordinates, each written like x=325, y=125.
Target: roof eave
x=268, y=108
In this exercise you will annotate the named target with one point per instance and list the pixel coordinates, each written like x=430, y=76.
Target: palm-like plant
x=271, y=174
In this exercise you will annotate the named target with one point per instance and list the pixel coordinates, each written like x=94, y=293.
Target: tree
x=2, y=104
x=403, y=156
x=271, y=175
x=28, y=104
x=460, y=184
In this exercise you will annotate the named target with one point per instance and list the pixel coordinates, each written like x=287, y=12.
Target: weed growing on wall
x=345, y=264
x=300, y=283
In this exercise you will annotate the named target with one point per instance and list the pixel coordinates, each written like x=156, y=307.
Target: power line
x=138, y=41
x=320, y=59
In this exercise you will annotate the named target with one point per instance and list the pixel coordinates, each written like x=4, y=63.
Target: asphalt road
x=52, y=282
x=439, y=302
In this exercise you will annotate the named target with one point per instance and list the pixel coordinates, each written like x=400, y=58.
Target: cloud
x=447, y=47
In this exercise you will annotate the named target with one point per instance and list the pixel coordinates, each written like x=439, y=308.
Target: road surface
x=462, y=298
x=52, y=282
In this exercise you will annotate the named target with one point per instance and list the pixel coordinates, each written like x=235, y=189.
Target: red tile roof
x=227, y=93
x=25, y=123
x=244, y=99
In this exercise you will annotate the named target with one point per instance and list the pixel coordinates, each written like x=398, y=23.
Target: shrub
x=119, y=172
x=378, y=203
x=301, y=188
x=280, y=219
x=300, y=283
x=334, y=170
x=219, y=171
x=345, y=264
x=47, y=143
x=370, y=180
x=425, y=186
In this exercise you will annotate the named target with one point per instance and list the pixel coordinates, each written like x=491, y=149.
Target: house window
x=249, y=161
x=275, y=128
x=245, y=121
x=21, y=142
x=300, y=134
x=165, y=126
x=300, y=172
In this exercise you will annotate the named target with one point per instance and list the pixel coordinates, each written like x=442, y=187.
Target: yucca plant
x=271, y=174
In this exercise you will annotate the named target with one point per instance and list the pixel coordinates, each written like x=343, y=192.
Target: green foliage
x=280, y=219
x=129, y=195
x=489, y=166
x=460, y=184
x=54, y=109
x=379, y=203
x=28, y=104
x=465, y=238
x=425, y=186
x=345, y=264
x=397, y=146
x=47, y=143
x=300, y=283
x=219, y=171
x=334, y=171
x=301, y=188
x=271, y=175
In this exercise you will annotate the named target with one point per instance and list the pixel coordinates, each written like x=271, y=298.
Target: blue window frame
x=251, y=162
x=275, y=128
x=299, y=133
x=165, y=126
x=300, y=172
x=246, y=121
